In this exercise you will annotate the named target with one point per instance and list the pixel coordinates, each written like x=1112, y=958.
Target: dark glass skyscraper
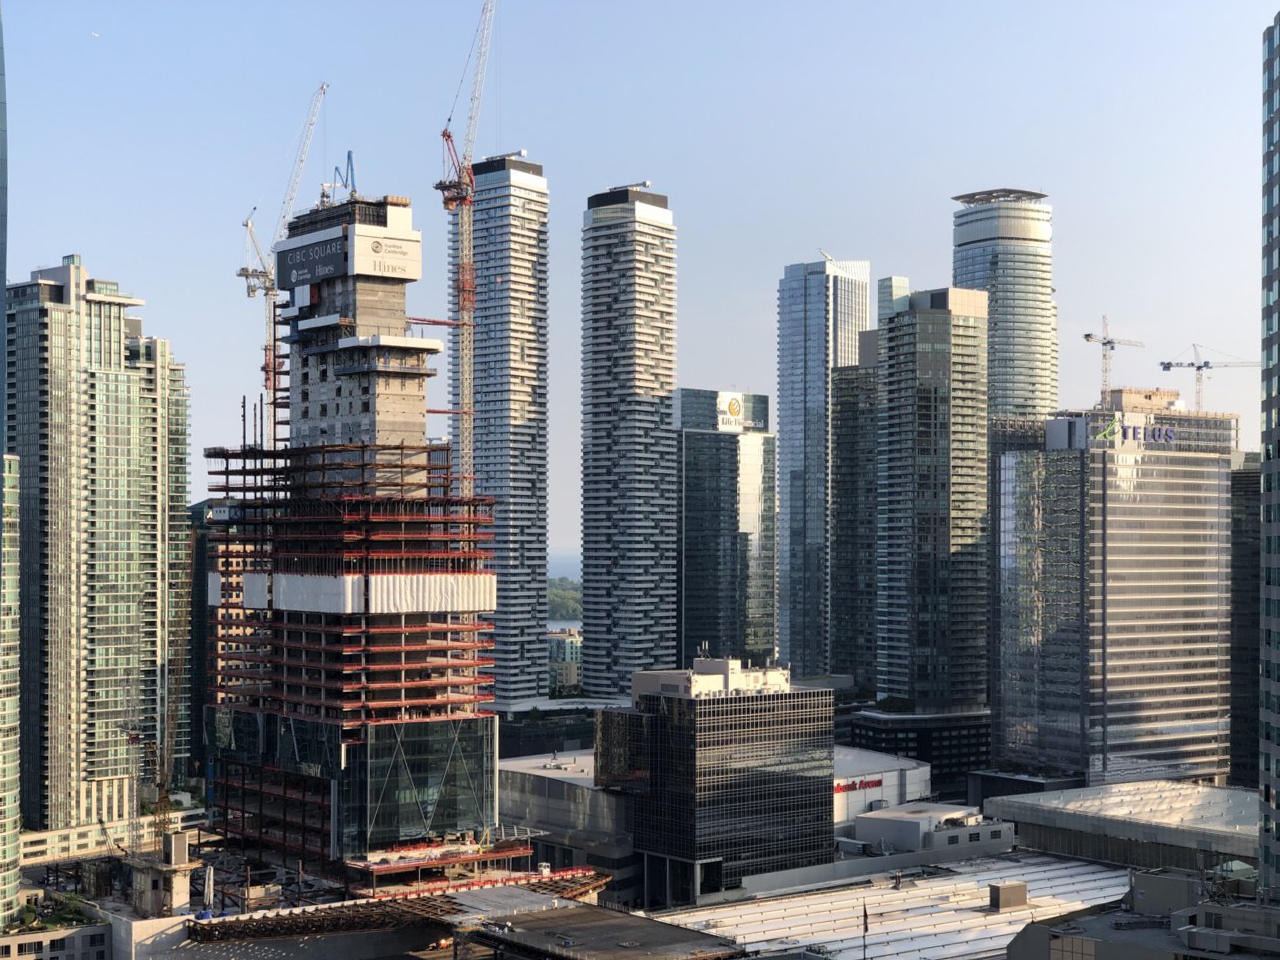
x=1269, y=715
x=727, y=541
x=727, y=772
x=851, y=591
x=1246, y=556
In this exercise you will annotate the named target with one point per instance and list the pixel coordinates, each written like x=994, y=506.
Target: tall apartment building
x=97, y=413
x=851, y=600
x=510, y=401
x=1246, y=591
x=349, y=725
x=1003, y=245
x=821, y=309
x=931, y=550
x=727, y=529
x=727, y=774
x=628, y=438
x=1269, y=716
x=10, y=657
x=1115, y=578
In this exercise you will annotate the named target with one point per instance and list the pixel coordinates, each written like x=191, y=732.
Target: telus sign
x=1142, y=434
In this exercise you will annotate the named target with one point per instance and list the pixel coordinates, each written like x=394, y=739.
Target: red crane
x=458, y=189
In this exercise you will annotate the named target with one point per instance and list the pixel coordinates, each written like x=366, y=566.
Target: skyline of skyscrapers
x=97, y=414
x=628, y=438
x=510, y=400
x=822, y=307
x=728, y=527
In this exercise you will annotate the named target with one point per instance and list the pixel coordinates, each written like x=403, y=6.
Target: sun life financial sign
x=729, y=418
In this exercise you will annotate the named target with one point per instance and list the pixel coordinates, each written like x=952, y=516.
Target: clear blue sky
x=140, y=134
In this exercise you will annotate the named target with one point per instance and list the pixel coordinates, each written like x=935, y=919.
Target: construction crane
x=1200, y=364
x=458, y=189
x=1108, y=344
x=260, y=272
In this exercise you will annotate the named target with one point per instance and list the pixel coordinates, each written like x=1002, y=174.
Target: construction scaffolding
x=346, y=679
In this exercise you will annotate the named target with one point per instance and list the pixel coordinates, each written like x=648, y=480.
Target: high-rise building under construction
x=510, y=404
x=350, y=727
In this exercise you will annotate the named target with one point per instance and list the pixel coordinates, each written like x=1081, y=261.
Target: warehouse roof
x=944, y=916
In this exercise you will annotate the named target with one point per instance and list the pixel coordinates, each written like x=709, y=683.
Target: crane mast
x=1108, y=344
x=261, y=276
x=458, y=189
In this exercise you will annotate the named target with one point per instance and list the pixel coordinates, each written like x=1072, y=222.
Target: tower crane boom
x=1108, y=344
x=261, y=276
x=458, y=189
x=1200, y=364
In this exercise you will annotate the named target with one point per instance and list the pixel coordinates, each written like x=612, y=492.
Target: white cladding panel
x=391, y=593
x=293, y=591
x=857, y=795
x=213, y=583
x=255, y=591
x=436, y=592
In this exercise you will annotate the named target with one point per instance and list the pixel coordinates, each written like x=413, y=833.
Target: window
x=975, y=837
x=996, y=834
x=953, y=840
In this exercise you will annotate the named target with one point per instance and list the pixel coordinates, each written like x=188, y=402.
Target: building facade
x=10, y=657
x=1003, y=245
x=821, y=309
x=1246, y=590
x=728, y=773
x=727, y=529
x=1115, y=561
x=97, y=413
x=932, y=458
x=348, y=714
x=1269, y=715
x=628, y=438
x=510, y=402
x=851, y=591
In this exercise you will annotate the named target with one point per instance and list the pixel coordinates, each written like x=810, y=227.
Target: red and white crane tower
x=458, y=189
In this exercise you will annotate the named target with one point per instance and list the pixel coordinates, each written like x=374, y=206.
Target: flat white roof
x=922, y=811
x=856, y=762
x=572, y=766
x=579, y=766
x=1229, y=811
x=945, y=916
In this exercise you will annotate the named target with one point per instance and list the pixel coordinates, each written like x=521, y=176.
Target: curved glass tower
x=1003, y=245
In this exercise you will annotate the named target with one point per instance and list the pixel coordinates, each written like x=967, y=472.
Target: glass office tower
x=727, y=532
x=821, y=309
x=1115, y=583
x=727, y=773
